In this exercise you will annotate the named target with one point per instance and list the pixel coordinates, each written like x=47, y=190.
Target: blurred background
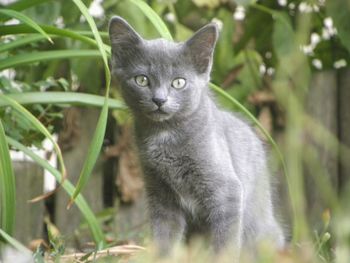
x=285, y=61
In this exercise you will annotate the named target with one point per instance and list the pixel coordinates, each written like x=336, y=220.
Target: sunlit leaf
x=25, y=19
x=21, y=42
x=62, y=98
x=97, y=140
x=76, y=35
x=13, y=242
x=28, y=58
x=154, y=18
x=7, y=186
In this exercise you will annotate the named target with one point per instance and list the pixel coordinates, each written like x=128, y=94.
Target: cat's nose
x=159, y=101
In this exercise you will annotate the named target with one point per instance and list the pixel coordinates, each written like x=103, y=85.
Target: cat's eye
x=178, y=83
x=142, y=80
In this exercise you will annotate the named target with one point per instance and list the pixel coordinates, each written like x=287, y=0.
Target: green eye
x=178, y=83
x=142, y=80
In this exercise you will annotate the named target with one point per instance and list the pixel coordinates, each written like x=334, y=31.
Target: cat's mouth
x=159, y=115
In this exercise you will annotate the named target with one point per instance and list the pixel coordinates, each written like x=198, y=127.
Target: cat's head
x=161, y=79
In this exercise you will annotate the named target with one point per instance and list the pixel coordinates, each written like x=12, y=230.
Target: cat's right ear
x=121, y=33
x=201, y=47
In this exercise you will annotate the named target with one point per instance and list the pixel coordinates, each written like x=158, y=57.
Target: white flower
x=325, y=34
x=315, y=39
x=59, y=22
x=282, y=2
x=317, y=63
x=328, y=30
x=96, y=9
x=341, y=63
x=239, y=13
x=268, y=55
x=305, y=7
x=307, y=49
x=8, y=73
x=262, y=69
x=328, y=22
x=270, y=71
x=170, y=17
x=12, y=21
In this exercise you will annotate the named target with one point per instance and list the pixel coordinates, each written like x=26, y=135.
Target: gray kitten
x=205, y=169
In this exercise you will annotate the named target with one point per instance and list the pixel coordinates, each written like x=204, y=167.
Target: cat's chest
x=174, y=160
x=163, y=151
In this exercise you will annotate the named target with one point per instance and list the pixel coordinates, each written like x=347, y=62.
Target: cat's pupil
x=178, y=83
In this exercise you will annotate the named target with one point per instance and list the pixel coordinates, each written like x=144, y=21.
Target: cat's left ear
x=201, y=47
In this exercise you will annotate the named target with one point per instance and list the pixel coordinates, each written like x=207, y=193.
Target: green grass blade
x=81, y=203
x=154, y=18
x=97, y=140
x=63, y=98
x=93, y=154
x=76, y=35
x=28, y=58
x=38, y=125
x=83, y=9
x=25, y=19
x=20, y=42
x=13, y=242
x=7, y=186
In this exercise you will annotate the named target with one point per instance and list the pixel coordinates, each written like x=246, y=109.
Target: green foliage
x=97, y=140
x=25, y=19
x=16, y=124
x=7, y=186
x=339, y=10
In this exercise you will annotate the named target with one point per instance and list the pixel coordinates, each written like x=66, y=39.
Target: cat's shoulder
x=239, y=128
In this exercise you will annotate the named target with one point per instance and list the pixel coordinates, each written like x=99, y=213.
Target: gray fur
x=205, y=169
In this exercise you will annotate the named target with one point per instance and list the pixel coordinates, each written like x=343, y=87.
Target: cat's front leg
x=226, y=220
x=167, y=220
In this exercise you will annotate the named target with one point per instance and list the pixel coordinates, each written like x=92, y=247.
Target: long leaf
x=76, y=35
x=154, y=18
x=28, y=58
x=13, y=242
x=69, y=188
x=20, y=42
x=25, y=19
x=63, y=98
x=7, y=186
x=93, y=154
x=38, y=125
x=97, y=140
